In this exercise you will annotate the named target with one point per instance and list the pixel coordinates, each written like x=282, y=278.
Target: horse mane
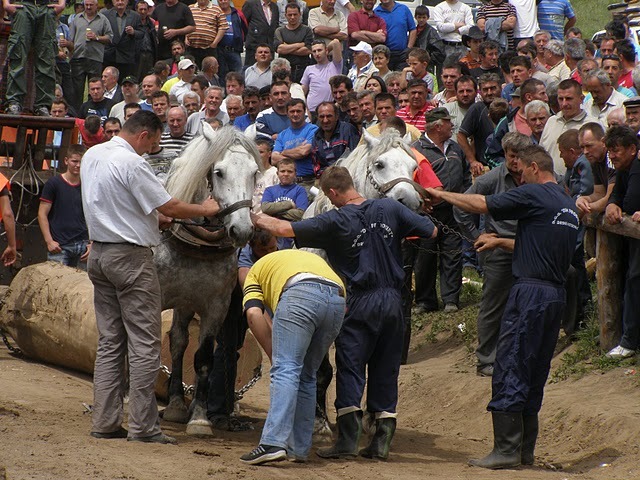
x=389, y=139
x=187, y=179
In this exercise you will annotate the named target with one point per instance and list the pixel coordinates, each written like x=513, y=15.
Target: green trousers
x=32, y=26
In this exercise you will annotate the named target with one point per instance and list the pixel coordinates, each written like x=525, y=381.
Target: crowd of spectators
x=470, y=92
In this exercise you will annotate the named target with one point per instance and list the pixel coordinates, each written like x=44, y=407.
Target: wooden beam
x=627, y=228
x=610, y=279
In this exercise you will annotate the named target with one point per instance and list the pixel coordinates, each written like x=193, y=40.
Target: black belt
x=306, y=178
x=120, y=243
x=453, y=44
x=35, y=2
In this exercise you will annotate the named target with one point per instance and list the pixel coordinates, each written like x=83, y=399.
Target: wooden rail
x=611, y=264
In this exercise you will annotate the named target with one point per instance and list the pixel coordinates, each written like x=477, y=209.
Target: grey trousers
x=127, y=302
x=496, y=284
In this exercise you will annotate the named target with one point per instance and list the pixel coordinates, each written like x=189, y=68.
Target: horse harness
x=386, y=187
x=209, y=235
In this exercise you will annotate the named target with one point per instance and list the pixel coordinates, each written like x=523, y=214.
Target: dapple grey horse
x=198, y=268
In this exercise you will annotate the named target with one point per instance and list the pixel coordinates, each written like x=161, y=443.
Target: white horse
x=197, y=267
x=380, y=167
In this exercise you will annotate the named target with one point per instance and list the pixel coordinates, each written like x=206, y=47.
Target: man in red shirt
x=413, y=114
x=365, y=26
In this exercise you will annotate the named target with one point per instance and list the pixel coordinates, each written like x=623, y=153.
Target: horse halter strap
x=234, y=207
x=384, y=188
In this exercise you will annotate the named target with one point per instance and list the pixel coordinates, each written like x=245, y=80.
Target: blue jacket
x=239, y=25
x=494, y=155
x=344, y=140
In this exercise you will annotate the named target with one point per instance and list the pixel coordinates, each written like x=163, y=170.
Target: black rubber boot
x=381, y=441
x=349, y=431
x=529, y=437
x=507, y=442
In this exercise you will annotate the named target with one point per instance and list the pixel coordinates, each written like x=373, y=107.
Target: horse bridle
x=215, y=229
x=386, y=187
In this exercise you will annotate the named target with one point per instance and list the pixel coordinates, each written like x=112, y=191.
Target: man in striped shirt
x=551, y=16
x=211, y=25
x=171, y=142
x=413, y=114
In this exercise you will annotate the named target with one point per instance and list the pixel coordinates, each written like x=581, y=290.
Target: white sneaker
x=620, y=352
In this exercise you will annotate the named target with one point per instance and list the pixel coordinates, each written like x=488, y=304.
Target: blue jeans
x=70, y=254
x=306, y=322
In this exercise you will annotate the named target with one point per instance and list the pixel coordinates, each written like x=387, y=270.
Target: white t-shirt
x=527, y=24
x=342, y=8
x=120, y=195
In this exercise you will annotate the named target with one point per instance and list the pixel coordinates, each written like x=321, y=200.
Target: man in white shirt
x=186, y=72
x=452, y=19
x=122, y=218
x=527, y=24
x=603, y=98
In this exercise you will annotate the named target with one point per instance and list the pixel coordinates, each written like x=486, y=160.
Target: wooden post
x=610, y=271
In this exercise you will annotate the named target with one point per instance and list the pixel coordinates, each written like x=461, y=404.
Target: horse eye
x=218, y=173
x=379, y=165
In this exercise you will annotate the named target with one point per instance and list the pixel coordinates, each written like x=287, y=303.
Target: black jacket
x=259, y=30
x=123, y=47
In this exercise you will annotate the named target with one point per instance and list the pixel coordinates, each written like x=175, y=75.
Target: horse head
x=388, y=169
x=223, y=164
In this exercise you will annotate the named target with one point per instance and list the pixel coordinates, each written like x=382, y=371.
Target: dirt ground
x=589, y=430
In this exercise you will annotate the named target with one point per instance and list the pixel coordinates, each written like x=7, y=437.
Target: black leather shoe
x=120, y=433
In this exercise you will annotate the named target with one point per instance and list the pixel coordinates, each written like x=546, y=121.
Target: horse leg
x=323, y=379
x=177, y=410
x=199, y=425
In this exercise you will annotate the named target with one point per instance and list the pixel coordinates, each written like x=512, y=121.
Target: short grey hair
x=575, y=48
x=542, y=32
x=515, y=141
x=193, y=95
x=601, y=75
x=280, y=64
x=233, y=97
x=534, y=106
x=210, y=89
x=556, y=47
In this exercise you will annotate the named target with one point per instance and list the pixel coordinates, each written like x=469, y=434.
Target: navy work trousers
x=371, y=339
x=528, y=336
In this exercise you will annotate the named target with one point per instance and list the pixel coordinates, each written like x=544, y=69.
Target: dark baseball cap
x=436, y=114
x=130, y=79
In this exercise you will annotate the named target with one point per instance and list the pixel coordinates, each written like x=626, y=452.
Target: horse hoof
x=321, y=427
x=176, y=414
x=200, y=428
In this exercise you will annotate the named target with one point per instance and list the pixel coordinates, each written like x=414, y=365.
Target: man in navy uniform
x=544, y=245
x=362, y=240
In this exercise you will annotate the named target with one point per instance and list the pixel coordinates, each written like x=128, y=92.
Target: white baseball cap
x=185, y=63
x=149, y=2
x=363, y=47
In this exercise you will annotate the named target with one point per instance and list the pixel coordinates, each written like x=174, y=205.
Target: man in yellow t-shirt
x=307, y=299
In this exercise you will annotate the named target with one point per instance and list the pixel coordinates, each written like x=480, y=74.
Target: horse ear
x=208, y=131
x=407, y=138
x=369, y=139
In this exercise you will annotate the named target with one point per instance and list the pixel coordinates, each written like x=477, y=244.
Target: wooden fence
x=611, y=263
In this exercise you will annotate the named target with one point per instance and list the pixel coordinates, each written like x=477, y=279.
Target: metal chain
x=189, y=390
x=14, y=350
x=257, y=375
x=446, y=230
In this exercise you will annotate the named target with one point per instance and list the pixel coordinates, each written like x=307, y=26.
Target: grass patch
x=586, y=356
x=592, y=15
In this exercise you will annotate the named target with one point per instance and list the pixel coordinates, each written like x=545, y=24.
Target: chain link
x=13, y=350
x=447, y=230
x=189, y=390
